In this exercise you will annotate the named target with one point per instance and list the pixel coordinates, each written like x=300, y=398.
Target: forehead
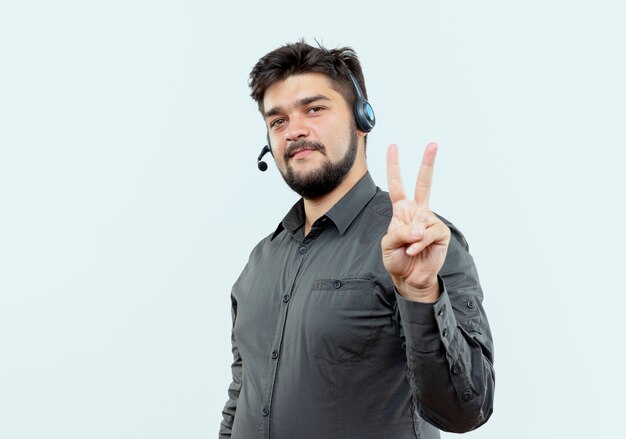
x=295, y=88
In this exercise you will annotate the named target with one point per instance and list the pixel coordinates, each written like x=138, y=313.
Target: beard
x=323, y=180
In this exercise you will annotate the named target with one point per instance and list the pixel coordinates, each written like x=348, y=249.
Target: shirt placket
x=301, y=250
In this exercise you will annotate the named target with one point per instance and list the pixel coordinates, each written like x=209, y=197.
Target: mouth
x=302, y=152
x=302, y=149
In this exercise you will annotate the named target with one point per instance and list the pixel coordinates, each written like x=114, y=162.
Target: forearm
x=228, y=413
x=450, y=370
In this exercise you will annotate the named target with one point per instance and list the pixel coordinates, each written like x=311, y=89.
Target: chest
x=324, y=299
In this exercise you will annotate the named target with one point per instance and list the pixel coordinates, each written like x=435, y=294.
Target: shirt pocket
x=337, y=319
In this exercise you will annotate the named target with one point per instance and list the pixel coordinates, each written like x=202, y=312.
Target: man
x=332, y=336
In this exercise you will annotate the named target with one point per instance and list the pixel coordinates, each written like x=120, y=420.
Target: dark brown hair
x=300, y=57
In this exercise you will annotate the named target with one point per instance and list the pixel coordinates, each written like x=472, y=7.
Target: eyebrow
x=299, y=103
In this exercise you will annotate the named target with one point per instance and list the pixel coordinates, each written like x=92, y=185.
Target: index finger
x=394, y=180
x=425, y=175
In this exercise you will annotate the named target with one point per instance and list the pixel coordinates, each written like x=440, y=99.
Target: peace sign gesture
x=416, y=242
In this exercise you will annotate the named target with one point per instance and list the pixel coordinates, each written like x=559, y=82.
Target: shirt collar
x=341, y=214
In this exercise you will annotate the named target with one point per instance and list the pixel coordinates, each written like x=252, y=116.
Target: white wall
x=130, y=198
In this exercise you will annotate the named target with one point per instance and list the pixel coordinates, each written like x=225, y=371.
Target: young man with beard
x=361, y=315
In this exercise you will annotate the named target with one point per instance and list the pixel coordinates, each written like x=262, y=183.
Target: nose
x=296, y=129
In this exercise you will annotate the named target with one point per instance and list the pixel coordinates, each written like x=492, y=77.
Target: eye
x=277, y=122
x=315, y=109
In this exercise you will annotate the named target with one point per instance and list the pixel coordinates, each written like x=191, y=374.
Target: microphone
x=260, y=163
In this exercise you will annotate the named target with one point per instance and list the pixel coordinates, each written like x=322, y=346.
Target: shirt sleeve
x=449, y=346
x=228, y=413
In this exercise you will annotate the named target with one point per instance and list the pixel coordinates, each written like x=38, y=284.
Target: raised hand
x=416, y=242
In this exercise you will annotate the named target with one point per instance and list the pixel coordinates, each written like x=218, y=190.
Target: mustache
x=303, y=144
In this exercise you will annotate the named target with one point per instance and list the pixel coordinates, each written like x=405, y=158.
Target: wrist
x=427, y=293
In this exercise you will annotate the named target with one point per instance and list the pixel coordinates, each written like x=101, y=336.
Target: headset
x=363, y=115
x=363, y=111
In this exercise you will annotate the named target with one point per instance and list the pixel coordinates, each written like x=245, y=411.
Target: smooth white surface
x=130, y=198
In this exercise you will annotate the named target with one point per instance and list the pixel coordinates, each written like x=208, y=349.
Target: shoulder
x=259, y=254
x=380, y=204
x=267, y=242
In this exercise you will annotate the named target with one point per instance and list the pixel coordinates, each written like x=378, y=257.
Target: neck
x=314, y=208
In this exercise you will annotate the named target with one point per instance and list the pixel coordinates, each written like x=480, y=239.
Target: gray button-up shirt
x=324, y=347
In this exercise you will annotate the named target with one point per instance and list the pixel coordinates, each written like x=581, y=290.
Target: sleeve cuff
x=427, y=326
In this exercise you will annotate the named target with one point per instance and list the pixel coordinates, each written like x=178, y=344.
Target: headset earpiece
x=363, y=111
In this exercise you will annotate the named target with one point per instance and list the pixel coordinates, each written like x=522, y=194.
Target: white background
x=130, y=198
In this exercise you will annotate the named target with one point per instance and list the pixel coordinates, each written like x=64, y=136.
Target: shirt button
x=445, y=332
x=470, y=304
x=337, y=284
x=265, y=411
x=456, y=369
x=286, y=298
x=441, y=311
x=274, y=355
x=467, y=395
x=302, y=250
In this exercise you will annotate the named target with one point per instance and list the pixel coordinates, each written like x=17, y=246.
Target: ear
x=361, y=135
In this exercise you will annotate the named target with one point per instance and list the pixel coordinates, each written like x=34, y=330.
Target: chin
x=304, y=167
